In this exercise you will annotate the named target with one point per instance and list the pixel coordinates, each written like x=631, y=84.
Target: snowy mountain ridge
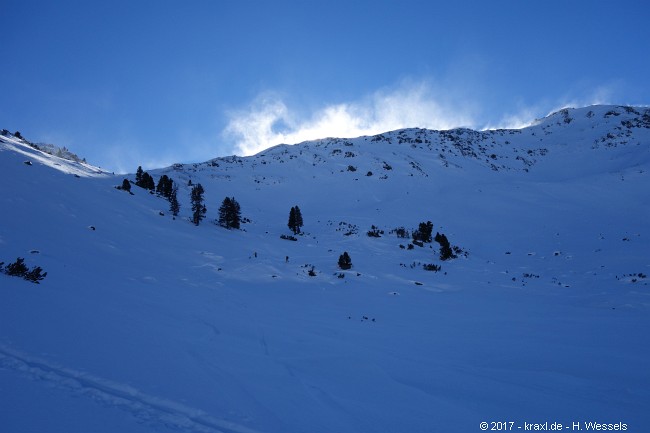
x=573, y=131
x=53, y=156
x=147, y=322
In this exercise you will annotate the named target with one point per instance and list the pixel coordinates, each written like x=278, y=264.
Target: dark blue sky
x=155, y=82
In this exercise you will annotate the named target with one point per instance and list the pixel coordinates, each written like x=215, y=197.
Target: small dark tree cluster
x=423, y=233
x=19, y=269
x=375, y=232
x=431, y=267
x=295, y=220
x=230, y=213
x=144, y=179
x=401, y=232
x=345, y=262
x=446, y=252
x=198, y=208
x=165, y=186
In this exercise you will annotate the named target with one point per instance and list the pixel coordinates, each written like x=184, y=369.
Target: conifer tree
x=423, y=233
x=345, y=262
x=174, y=206
x=292, y=220
x=148, y=181
x=229, y=213
x=295, y=220
x=165, y=185
x=144, y=180
x=126, y=185
x=17, y=268
x=198, y=208
x=299, y=222
x=446, y=252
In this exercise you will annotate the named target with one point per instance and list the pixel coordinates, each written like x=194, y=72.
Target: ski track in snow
x=148, y=408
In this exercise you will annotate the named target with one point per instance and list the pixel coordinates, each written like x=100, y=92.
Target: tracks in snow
x=149, y=408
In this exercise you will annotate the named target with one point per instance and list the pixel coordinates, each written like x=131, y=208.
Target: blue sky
x=128, y=83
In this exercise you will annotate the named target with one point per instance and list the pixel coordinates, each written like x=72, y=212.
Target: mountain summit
x=440, y=279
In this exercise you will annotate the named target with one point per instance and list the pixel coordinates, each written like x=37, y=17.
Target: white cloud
x=269, y=121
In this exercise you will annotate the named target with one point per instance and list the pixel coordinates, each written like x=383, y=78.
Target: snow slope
x=149, y=323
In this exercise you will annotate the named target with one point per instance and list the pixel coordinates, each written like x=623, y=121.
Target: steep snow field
x=149, y=323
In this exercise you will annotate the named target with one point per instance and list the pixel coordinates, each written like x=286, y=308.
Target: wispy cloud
x=268, y=120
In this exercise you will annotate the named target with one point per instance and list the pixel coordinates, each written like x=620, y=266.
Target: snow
x=149, y=323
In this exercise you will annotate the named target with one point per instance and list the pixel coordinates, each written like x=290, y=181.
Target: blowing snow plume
x=269, y=121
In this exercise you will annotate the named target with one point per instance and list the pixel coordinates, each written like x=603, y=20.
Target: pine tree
x=174, y=206
x=144, y=180
x=35, y=275
x=229, y=213
x=138, y=175
x=126, y=185
x=17, y=268
x=148, y=181
x=165, y=185
x=161, y=184
x=345, y=262
x=423, y=233
x=446, y=252
x=299, y=222
x=295, y=220
x=292, y=220
x=198, y=208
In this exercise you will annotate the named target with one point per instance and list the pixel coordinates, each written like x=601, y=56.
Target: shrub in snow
x=19, y=269
x=35, y=275
x=431, y=267
x=375, y=232
x=345, y=262
x=401, y=232
x=126, y=185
